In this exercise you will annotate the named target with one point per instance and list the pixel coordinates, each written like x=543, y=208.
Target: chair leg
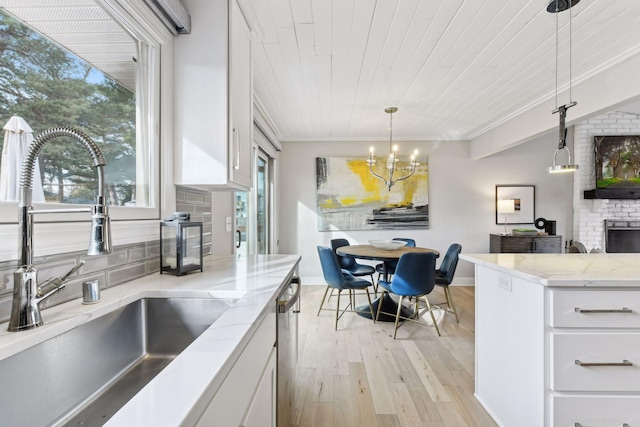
x=370, y=306
x=433, y=319
x=380, y=304
x=323, y=298
x=395, y=331
x=447, y=294
x=338, y=310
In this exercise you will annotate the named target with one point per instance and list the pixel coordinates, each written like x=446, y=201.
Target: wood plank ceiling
x=326, y=69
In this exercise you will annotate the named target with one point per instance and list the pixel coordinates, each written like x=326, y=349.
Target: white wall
x=222, y=206
x=461, y=197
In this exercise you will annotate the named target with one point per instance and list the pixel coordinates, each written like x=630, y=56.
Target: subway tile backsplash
x=125, y=263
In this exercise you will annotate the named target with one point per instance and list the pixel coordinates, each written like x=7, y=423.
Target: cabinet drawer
x=595, y=362
x=230, y=403
x=595, y=309
x=591, y=411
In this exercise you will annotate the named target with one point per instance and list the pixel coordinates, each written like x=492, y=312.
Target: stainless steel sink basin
x=83, y=376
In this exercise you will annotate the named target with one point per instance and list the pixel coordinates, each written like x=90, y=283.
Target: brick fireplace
x=589, y=215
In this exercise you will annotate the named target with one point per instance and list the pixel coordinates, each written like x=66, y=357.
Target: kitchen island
x=558, y=338
x=184, y=390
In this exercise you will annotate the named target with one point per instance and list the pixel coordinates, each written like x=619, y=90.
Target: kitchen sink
x=85, y=375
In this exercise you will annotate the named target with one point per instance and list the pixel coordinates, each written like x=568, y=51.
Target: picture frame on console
x=523, y=197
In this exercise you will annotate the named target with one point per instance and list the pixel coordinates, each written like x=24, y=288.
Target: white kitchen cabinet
x=262, y=411
x=247, y=397
x=213, y=99
x=596, y=410
x=510, y=348
x=556, y=356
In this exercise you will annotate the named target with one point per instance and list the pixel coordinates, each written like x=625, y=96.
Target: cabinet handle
x=580, y=425
x=236, y=139
x=625, y=362
x=603, y=310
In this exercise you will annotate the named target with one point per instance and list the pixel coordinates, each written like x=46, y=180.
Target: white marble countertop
x=576, y=270
x=178, y=394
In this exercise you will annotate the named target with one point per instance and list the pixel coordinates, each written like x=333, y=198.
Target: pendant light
x=393, y=157
x=557, y=6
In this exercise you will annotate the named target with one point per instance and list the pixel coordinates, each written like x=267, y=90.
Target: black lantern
x=180, y=245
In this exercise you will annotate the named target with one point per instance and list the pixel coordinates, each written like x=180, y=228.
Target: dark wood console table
x=525, y=244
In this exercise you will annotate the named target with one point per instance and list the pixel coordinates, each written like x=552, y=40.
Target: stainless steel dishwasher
x=287, y=342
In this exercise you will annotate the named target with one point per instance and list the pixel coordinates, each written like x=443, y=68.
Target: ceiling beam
x=605, y=91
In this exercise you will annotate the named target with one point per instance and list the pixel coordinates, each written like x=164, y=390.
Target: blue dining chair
x=340, y=280
x=414, y=277
x=391, y=265
x=444, y=275
x=349, y=263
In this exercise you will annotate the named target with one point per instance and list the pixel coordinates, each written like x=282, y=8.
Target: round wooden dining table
x=373, y=253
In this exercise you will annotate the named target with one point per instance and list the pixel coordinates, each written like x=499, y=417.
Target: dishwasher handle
x=284, y=306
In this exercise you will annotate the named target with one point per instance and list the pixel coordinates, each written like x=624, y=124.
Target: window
x=75, y=65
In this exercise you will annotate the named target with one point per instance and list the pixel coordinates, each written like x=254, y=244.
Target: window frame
x=64, y=233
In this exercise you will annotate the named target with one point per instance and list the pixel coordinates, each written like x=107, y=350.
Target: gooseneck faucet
x=27, y=294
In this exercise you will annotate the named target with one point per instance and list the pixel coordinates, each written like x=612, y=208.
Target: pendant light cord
x=390, y=132
x=557, y=54
x=570, y=49
x=570, y=52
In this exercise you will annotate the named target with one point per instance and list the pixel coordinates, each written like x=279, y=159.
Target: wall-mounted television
x=617, y=161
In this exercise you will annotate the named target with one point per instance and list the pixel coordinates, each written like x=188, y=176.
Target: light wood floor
x=360, y=376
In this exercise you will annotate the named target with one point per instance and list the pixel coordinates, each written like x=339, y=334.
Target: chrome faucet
x=27, y=294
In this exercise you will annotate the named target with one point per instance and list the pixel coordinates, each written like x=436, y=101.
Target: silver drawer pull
x=603, y=310
x=625, y=362
x=580, y=425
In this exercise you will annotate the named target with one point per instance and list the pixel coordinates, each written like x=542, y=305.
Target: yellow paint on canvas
x=375, y=189
x=329, y=204
x=347, y=201
x=361, y=169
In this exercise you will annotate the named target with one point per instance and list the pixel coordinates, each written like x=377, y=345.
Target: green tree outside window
x=50, y=87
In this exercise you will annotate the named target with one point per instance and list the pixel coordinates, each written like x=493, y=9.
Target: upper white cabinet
x=213, y=94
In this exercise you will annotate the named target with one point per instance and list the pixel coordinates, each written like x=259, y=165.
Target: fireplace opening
x=622, y=236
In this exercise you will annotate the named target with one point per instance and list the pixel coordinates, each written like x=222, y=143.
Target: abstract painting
x=350, y=198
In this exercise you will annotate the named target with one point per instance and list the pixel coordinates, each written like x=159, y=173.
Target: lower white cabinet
x=603, y=361
x=262, y=411
x=556, y=356
x=596, y=410
x=510, y=348
x=247, y=397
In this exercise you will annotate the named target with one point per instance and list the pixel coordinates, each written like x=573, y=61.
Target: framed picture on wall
x=617, y=161
x=350, y=198
x=515, y=204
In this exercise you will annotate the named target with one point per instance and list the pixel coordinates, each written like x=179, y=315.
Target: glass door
x=253, y=210
x=242, y=216
x=262, y=204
